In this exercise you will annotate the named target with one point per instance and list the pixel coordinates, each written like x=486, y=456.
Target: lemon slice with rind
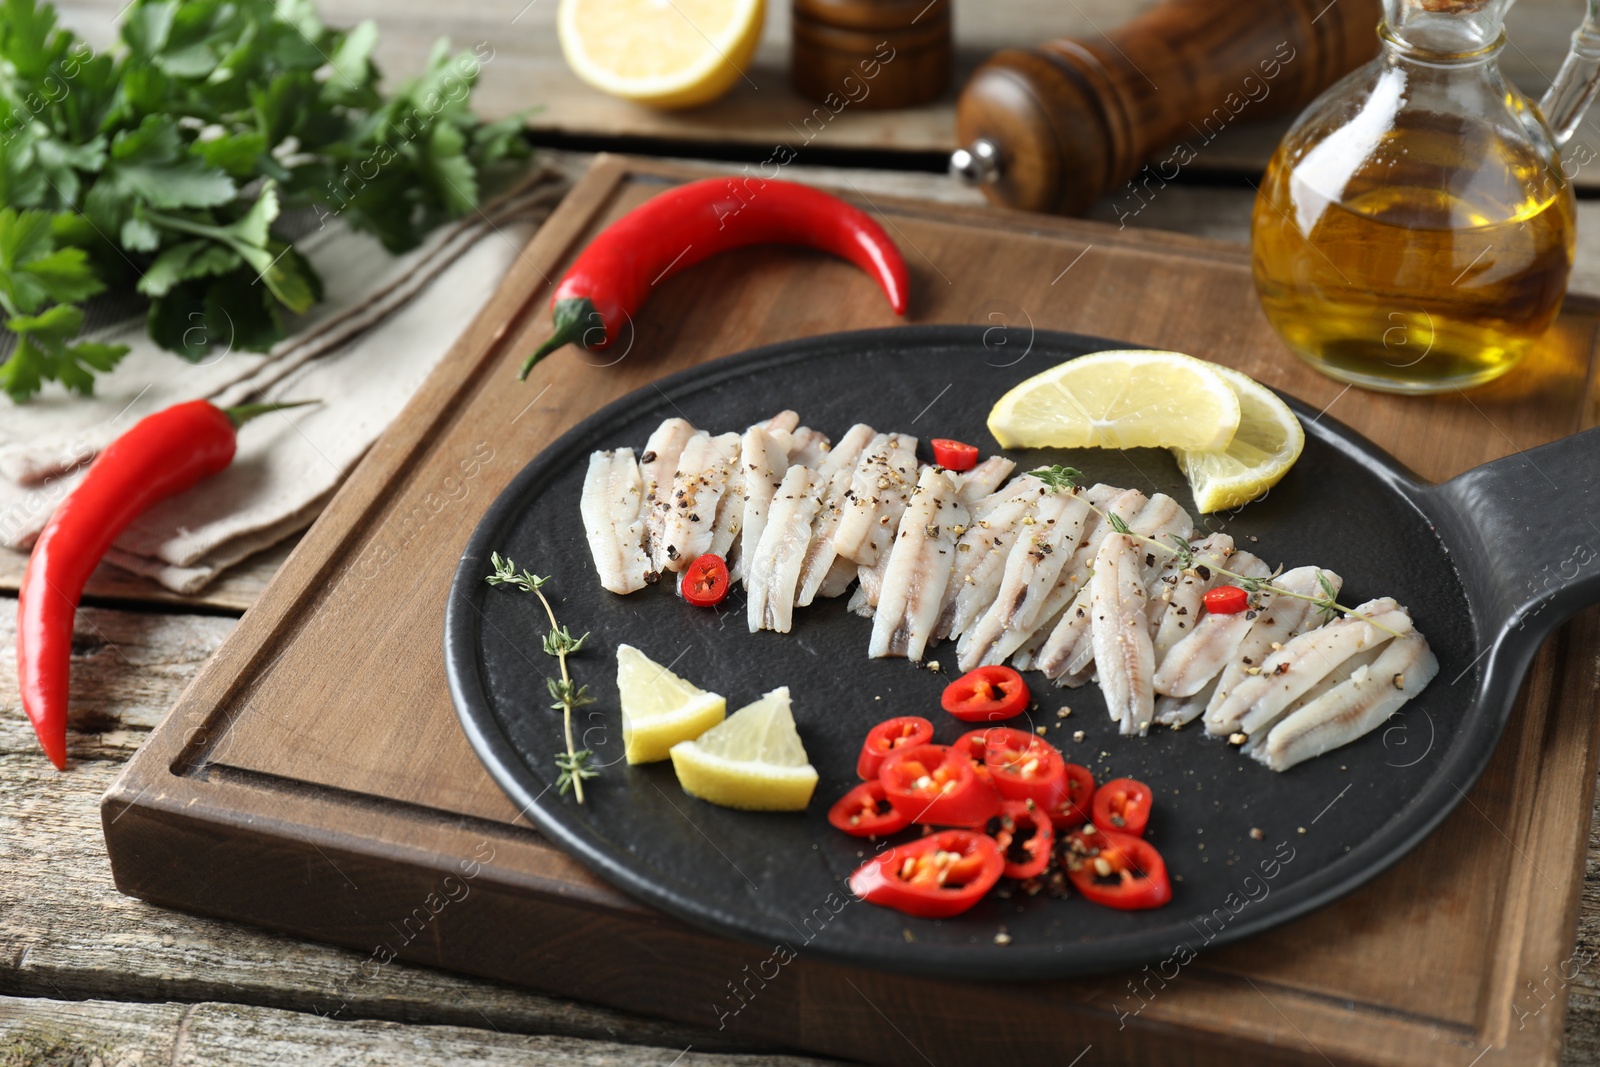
x=659, y=709
x=753, y=761
x=1130, y=398
x=1268, y=441
x=663, y=53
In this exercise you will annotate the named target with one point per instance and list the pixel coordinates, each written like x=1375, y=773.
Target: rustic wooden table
x=88, y=976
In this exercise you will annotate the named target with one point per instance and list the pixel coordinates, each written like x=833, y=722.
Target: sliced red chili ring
x=1073, y=809
x=935, y=785
x=1025, y=836
x=1226, y=600
x=987, y=694
x=972, y=745
x=933, y=877
x=1117, y=870
x=954, y=455
x=900, y=732
x=1122, y=805
x=866, y=812
x=1025, y=766
x=705, y=581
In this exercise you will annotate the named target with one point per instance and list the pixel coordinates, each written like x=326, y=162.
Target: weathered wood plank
x=110, y=1034
x=66, y=932
x=527, y=71
x=1579, y=975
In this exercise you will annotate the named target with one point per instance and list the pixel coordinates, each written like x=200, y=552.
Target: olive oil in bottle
x=1414, y=231
x=1408, y=286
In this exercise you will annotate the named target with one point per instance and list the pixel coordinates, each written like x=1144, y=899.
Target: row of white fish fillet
x=1011, y=571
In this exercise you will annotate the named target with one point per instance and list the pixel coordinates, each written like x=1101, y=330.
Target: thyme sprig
x=567, y=695
x=1057, y=478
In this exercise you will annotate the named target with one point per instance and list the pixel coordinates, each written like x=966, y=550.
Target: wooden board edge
x=989, y=215
x=1525, y=1003
x=296, y=869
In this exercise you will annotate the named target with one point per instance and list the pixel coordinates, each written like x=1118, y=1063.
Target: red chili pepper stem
x=618, y=270
x=245, y=412
x=574, y=317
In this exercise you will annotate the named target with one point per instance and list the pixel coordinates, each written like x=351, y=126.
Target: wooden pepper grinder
x=870, y=54
x=1056, y=127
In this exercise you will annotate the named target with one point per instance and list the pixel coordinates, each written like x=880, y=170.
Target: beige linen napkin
x=384, y=323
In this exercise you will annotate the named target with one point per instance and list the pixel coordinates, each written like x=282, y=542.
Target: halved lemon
x=664, y=53
x=753, y=761
x=1130, y=398
x=659, y=709
x=1268, y=441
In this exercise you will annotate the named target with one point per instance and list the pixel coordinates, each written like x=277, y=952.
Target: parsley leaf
x=40, y=286
x=163, y=164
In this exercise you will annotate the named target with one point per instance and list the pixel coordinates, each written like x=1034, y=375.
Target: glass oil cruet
x=1415, y=230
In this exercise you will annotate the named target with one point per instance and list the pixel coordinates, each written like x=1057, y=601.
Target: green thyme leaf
x=574, y=767
x=567, y=695
x=1182, y=554
x=1058, y=477
x=506, y=573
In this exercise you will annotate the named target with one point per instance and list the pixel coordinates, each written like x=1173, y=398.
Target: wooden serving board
x=314, y=778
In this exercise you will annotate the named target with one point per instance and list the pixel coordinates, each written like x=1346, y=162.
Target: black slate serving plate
x=1488, y=563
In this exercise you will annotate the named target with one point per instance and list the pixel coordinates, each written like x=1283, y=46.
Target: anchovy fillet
x=833, y=479
x=611, y=506
x=658, y=463
x=1354, y=707
x=764, y=462
x=1045, y=545
x=697, y=490
x=1276, y=620
x=1257, y=702
x=879, y=489
x=775, y=569
x=1120, y=633
x=1200, y=656
x=918, y=568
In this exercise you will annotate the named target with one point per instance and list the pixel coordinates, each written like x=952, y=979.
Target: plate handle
x=1526, y=532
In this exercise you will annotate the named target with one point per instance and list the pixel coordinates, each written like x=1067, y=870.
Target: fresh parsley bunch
x=162, y=166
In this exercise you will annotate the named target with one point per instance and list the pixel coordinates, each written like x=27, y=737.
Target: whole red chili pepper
x=680, y=227
x=162, y=455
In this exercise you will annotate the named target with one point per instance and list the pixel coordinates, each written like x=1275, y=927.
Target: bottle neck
x=1444, y=31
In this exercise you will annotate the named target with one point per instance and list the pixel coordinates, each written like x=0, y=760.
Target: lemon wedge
x=1120, y=399
x=753, y=761
x=663, y=53
x=1268, y=441
x=659, y=709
